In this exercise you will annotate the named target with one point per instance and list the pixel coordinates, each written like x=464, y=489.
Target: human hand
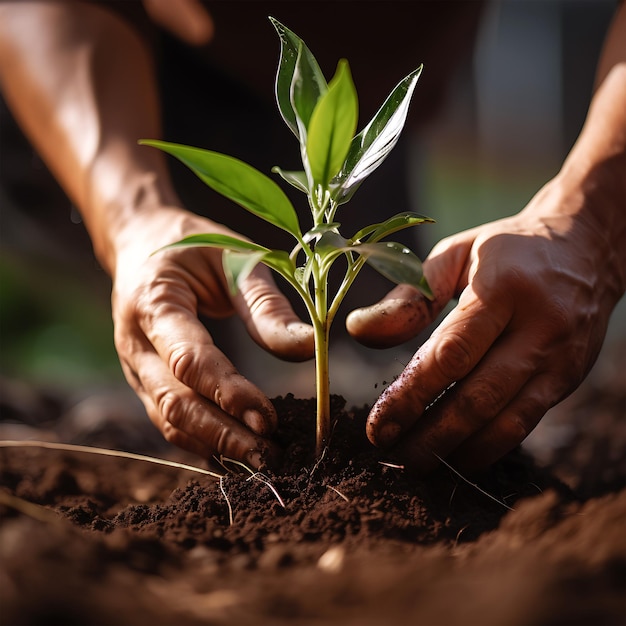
x=190, y=389
x=535, y=295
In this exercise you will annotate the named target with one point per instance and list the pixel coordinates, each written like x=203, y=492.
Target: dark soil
x=348, y=541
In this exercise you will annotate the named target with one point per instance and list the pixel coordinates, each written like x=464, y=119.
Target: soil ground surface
x=96, y=540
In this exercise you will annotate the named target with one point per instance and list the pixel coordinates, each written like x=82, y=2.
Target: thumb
x=270, y=320
x=404, y=311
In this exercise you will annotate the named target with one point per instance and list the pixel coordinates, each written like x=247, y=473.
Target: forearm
x=592, y=182
x=81, y=84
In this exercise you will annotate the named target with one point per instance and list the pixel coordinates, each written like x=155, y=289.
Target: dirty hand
x=190, y=389
x=535, y=295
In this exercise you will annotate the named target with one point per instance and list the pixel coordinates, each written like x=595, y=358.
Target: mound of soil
x=348, y=540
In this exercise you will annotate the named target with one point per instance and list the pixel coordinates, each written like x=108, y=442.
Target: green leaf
x=215, y=240
x=372, y=145
x=240, y=257
x=318, y=231
x=279, y=261
x=296, y=179
x=330, y=246
x=299, y=79
x=306, y=89
x=331, y=242
x=238, y=265
x=302, y=276
x=332, y=126
x=395, y=262
x=375, y=232
x=238, y=181
x=424, y=287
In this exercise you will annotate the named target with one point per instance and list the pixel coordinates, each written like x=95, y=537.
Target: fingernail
x=255, y=421
x=387, y=433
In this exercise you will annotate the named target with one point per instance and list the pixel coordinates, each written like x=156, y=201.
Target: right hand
x=190, y=389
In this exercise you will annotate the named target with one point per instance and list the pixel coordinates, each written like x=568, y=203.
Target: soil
x=349, y=540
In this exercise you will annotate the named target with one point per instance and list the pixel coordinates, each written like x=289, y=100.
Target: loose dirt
x=349, y=540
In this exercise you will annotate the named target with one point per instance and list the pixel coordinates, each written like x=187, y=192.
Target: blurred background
x=515, y=109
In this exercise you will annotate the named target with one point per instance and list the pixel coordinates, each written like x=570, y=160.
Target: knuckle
x=225, y=443
x=515, y=429
x=527, y=290
x=156, y=290
x=515, y=277
x=483, y=400
x=181, y=362
x=529, y=412
x=228, y=392
x=173, y=408
x=558, y=319
x=222, y=440
x=453, y=356
x=518, y=428
x=164, y=294
x=260, y=301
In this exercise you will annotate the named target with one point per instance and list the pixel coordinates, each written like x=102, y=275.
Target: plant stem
x=322, y=384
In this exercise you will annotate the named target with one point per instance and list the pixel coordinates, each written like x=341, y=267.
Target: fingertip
x=389, y=322
x=267, y=455
x=384, y=435
x=302, y=338
x=291, y=341
x=260, y=422
x=382, y=431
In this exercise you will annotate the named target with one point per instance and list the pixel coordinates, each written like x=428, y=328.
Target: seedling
x=323, y=117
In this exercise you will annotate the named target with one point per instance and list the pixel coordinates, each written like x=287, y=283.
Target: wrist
x=126, y=215
x=599, y=210
x=584, y=207
x=588, y=196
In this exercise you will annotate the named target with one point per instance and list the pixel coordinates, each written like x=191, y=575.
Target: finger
x=511, y=426
x=471, y=405
x=187, y=349
x=270, y=319
x=398, y=317
x=189, y=421
x=404, y=311
x=450, y=354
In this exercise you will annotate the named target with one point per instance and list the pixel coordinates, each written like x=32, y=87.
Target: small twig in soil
x=219, y=460
x=318, y=462
x=69, y=447
x=485, y=493
x=341, y=495
x=393, y=465
x=230, y=508
x=264, y=479
x=254, y=476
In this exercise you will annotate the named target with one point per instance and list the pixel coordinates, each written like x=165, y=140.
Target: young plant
x=323, y=117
